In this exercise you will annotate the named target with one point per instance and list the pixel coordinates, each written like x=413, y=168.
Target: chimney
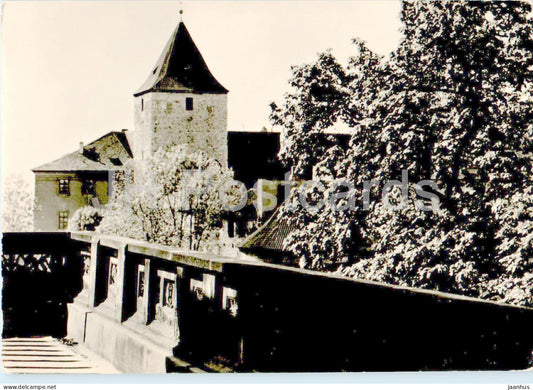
x=80, y=150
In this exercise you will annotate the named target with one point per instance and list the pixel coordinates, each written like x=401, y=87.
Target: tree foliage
x=453, y=104
x=314, y=104
x=176, y=198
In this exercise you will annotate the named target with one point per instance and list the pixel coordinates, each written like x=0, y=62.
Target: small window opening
x=189, y=104
x=168, y=290
x=140, y=284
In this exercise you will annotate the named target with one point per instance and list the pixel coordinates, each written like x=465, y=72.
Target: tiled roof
x=181, y=68
x=269, y=236
x=106, y=153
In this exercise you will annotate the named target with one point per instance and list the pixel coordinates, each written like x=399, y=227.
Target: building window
x=88, y=187
x=140, y=282
x=189, y=104
x=64, y=186
x=62, y=219
x=142, y=104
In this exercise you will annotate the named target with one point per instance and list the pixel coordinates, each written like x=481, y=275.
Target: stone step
x=31, y=348
x=59, y=364
x=26, y=370
x=35, y=353
x=30, y=361
x=32, y=339
x=47, y=356
x=34, y=345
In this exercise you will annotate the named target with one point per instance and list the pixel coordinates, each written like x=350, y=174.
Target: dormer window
x=115, y=161
x=189, y=104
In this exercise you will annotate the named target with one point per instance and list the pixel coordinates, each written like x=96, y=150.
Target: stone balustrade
x=146, y=289
x=149, y=308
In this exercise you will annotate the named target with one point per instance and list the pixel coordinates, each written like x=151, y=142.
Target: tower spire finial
x=181, y=11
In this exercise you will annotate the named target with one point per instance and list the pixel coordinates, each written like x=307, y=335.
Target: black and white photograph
x=267, y=187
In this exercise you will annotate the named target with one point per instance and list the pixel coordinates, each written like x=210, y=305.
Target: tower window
x=62, y=219
x=142, y=104
x=189, y=104
x=64, y=187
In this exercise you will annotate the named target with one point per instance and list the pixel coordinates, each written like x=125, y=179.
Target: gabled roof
x=181, y=68
x=109, y=152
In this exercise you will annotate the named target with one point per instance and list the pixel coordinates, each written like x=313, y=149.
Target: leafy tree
x=313, y=106
x=85, y=219
x=462, y=118
x=17, y=205
x=176, y=198
x=453, y=104
x=514, y=237
x=333, y=231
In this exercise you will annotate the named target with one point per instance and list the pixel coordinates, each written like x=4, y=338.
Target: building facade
x=78, y=179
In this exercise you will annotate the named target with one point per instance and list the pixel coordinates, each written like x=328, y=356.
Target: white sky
x=69, y=68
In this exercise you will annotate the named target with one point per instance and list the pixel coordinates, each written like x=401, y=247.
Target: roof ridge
x=76, y=161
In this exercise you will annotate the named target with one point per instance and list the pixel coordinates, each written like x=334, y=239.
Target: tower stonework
x=181, y=103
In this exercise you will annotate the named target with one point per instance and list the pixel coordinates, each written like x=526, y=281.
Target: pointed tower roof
x=181, y=68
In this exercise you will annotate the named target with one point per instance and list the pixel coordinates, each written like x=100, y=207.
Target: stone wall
x=299, y=321
x=162, y=119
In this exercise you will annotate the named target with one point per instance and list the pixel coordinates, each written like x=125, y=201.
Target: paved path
x=46, y=355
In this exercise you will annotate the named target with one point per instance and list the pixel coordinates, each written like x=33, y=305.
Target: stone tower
x=181, y=103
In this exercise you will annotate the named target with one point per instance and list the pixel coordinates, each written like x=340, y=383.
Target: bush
x=85, y=219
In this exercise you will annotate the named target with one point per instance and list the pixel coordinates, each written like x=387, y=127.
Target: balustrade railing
x=135, y=303
x=165, y=294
